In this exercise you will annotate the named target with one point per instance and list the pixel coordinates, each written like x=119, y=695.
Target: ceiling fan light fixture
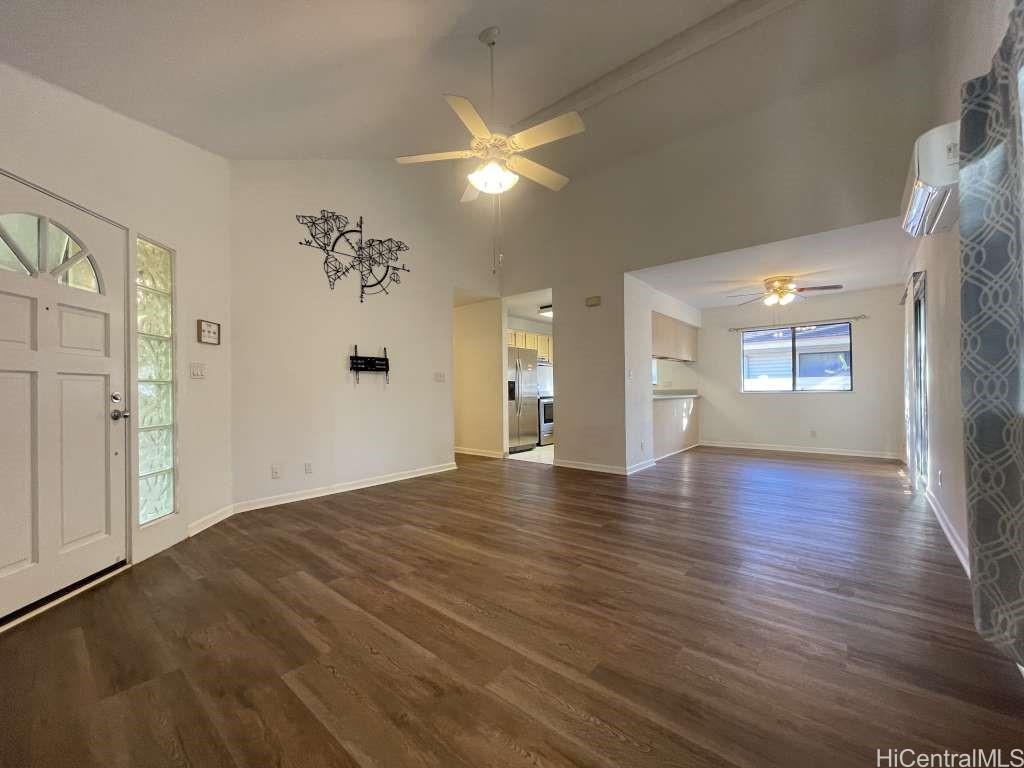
x=771, y=299
x=493, y=178
x=786, y=298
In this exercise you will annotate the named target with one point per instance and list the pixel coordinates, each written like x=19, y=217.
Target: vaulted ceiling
x=286, y=79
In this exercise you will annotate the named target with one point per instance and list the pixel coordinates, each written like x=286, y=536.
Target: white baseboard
x=608, y=469
x=312, y=493
x=958, y=545
x=639, y=466
x=480, y=452
x=211, y=519
x=805, y=449
x=680, y=450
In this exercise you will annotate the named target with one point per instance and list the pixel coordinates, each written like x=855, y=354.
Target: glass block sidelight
x=154, y=358
x=153, y=267
x=156, y=496
x=155, y=406
x=154, y=312
x=156, y=450
x=154, y=292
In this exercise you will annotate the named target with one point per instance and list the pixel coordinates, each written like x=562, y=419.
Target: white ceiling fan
x=501, y=163
x=781, y=290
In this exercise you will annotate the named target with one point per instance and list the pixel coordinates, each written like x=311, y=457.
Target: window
x=155, y=354
x=22, y=239
x=803, y=358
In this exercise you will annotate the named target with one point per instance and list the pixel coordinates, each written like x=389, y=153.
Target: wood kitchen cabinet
x=672, y=339
x=543, y=347
x=541, y=342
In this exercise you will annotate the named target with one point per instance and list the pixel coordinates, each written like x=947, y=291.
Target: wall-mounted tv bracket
x=363, y=364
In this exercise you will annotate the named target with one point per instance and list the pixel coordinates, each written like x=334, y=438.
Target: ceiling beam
x=693, y=40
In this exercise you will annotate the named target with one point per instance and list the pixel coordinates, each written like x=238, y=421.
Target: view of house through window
x=155, y=354
x=803, y=358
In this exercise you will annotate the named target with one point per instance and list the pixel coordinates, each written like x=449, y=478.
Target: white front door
x=62, y=376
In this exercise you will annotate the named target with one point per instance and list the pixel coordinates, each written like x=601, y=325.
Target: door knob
x=117, y=414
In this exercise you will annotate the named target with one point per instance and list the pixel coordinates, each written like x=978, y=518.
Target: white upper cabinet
x=672, y=339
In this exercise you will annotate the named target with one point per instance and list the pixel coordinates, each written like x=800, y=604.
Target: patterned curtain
x=992, y=339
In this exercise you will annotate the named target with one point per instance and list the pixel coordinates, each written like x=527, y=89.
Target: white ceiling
x=865, y=256
x=283, y=79
x=525, y=305
x=805, y=45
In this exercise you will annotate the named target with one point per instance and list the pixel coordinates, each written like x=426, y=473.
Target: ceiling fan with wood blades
x=501, y=163
x=781, y=290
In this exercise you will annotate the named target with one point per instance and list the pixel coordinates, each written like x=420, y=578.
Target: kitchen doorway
x=530, y=377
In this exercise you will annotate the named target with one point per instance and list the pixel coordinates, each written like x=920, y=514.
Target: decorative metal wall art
x=345, y=251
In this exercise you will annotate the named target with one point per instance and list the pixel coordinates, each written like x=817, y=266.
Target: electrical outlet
x=275, y=471
x=814, y=433
x=309, y=468
x=629, y=374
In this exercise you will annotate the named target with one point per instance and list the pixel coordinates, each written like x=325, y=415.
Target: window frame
x=794, y=361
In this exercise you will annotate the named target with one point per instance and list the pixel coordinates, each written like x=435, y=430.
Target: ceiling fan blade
x=471, y=194
x=537, y=172
x=468, y=115
x=457, y=154
x=744, y=295
x=820, y=288
x=556, y=128
x=759, y=297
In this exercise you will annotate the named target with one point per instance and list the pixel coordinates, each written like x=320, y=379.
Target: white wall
x=294, y=398
x=640, y=300
x=534, y=326
x=939, y=258
x=830, y=156
x=167, y=190
x=867, y=421
x=673, y=374
x=478, y=369
x=968, y=40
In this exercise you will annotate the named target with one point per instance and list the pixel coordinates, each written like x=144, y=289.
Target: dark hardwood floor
x=719, y=609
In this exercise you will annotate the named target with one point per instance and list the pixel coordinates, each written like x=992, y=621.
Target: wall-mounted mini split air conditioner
x=930, y=200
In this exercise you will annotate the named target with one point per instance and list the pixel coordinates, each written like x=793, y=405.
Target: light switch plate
x=197, y=370
x=439, y=377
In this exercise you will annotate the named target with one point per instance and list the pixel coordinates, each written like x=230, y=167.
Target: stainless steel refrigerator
x=522, y=399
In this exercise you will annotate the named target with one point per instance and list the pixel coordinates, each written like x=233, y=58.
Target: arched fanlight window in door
x=34, y=246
